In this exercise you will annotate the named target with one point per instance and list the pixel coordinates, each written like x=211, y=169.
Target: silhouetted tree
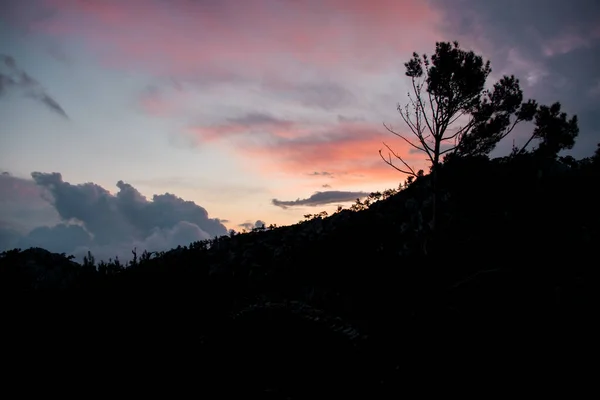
x=454, y=94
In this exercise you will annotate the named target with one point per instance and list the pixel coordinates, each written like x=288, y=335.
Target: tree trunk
x=434, y=178
x=434, y=184
x=434, y=206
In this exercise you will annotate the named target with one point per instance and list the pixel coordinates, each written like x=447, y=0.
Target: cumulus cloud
x=89, y=217
x=12, y=77
x=182, y=233
x=61, y=238
x=320, y=198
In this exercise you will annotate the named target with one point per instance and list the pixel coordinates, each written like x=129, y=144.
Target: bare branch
x=418, y=95
x=423, y=149
x=395, y=167
x=435, y=112
x=391, y=164
x=413, y=127
x=416, y=129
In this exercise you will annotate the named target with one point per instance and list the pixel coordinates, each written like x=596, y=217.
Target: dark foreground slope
x=365, y=302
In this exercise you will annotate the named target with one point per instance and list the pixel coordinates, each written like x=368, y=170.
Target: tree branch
x=425, y=147
x=391, y=164
x=437, y=108
x=418, y=94
x=416, y=130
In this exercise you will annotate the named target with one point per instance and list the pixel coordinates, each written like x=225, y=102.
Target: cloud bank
x=109, y=225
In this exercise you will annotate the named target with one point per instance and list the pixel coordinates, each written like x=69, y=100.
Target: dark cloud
x=552, y=46
x=542, y=19
x=91, y=218
x=11, y=76
x=321, y=198
x=322, y=173
x=61, y=238
x=9, y=237
x=326, y=185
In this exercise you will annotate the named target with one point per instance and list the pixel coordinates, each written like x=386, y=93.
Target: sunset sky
x=246, y=108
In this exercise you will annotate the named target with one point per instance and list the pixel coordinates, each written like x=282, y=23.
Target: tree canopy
x=450, y=110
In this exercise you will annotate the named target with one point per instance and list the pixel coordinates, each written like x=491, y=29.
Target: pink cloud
x=256, y=36
x=302, y=51
x=347, y=151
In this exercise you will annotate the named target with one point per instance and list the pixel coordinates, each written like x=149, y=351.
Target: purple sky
x=232, y=104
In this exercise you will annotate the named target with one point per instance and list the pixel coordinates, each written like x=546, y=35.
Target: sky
x=152, y=123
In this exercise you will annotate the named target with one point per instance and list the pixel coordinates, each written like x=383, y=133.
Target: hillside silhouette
x=516, y=252
x=374, y=301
